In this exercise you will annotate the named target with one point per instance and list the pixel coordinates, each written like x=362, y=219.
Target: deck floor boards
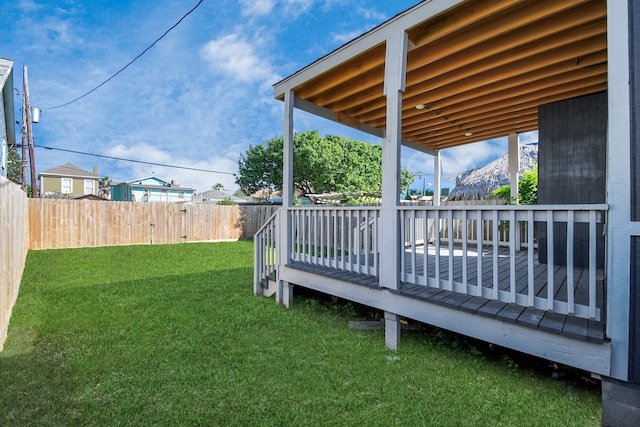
x=414, y=277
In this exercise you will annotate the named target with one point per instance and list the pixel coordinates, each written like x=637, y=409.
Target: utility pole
x=27, y=116
x=24, y=145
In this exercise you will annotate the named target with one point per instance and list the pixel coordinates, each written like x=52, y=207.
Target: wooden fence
x=13, y=248
x=58, y=223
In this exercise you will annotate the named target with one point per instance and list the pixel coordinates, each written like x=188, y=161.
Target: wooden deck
x=567, y=325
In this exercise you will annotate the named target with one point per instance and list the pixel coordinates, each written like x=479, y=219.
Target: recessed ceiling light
x=420, y=106
x=468, y=134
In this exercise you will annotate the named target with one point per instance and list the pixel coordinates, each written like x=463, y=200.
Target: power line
x=126, y=66
x=130, y=160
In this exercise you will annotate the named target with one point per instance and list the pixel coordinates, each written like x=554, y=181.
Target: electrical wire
x=126, y=66
x=130, y=160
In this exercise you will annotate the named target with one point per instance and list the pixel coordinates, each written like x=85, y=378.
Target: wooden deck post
x=391, y=330
x=514, y=165
x=285, y=226
x=394, y=86
x=437, y=183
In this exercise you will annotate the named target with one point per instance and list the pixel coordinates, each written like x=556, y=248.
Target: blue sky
x=200, y=96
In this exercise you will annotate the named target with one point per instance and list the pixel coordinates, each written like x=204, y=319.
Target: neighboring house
x=213, y=196
x=151, y=189
x=7, y=130
x=68, y=180
x=448, y=73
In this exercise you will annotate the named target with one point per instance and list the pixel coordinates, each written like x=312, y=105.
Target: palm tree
x=104, y=187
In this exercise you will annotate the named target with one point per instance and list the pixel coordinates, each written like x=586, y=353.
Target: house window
x=88, y=186
x=181, y=195
x=145, y=196
x=66, y=187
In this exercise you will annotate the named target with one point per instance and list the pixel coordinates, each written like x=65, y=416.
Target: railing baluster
x=351, y=240
x=512, y=255
x=592, y=264
x=366, y=241
x=425, y=247
x=436, y=226
x=450, y=236
x=550, y=261
x=464, y=233
x=334, y=258
x=359, y=241
x=570, y=284
x=413, y=246
x=375, y=242
x=480, y=239
x=496, y=246
x=322, y=236
x=530, y=277
x=342, y=239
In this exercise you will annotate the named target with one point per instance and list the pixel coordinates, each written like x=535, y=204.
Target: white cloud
x=528, y=137
x=200, y=180
x=28, y=5
x=342, y=38
x=371, y=14
x=257, y=7
x=239, y=59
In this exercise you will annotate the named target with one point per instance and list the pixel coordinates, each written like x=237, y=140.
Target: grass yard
x=172, y=335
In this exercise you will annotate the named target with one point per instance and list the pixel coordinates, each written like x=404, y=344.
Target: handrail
x=264, y=250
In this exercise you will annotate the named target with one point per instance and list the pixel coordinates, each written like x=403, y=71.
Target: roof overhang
x=476, y=70
x=6, y=85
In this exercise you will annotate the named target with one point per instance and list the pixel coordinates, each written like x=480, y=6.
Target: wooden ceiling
x=480, y=69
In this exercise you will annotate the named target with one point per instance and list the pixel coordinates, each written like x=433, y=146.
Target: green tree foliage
x=227, y=202
x=527, y=189
x=331, y=164
x=14, y=165
x=104, y=187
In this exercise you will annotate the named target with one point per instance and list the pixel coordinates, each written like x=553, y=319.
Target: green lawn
x=172, y=335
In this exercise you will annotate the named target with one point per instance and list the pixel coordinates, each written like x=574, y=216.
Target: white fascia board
x=404, y=21
x=325, y=113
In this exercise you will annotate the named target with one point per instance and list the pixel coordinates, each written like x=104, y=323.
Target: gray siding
x=572, y=155
x=634, y=309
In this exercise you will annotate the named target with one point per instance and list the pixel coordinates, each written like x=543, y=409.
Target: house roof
x=70, y=170
x=139, y=182
x=479, y=68
x=214, y=194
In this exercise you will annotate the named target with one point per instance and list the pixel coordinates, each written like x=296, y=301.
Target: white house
x=563, y=282
x=151, y=189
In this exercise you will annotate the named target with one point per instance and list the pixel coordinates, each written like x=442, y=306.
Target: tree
x=14, y=165
x=527, y=189
x=218, y=187
x=331, y=164
x=104, y=187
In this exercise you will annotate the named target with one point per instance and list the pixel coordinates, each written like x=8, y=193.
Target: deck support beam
x=285, y=293
x=391, y=330
x=394, y=86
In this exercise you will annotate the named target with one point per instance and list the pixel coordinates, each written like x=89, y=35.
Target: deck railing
x=264, y=250
x=343, y=238
x=460, y=265
x=505, y=267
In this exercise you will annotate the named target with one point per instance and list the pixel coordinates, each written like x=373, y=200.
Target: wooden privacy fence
x=58, y=223
x=13, y=248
